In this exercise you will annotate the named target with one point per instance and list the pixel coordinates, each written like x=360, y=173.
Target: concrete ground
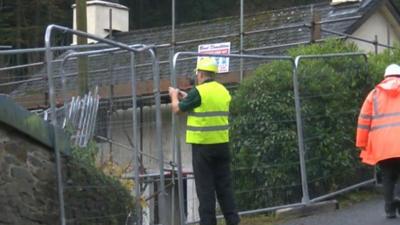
x=370, y=212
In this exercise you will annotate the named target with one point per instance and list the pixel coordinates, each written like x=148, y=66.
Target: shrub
x=91, y=196
x=264, y=133
x=378, y=62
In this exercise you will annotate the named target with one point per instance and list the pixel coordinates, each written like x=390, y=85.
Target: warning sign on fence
x=218, y=48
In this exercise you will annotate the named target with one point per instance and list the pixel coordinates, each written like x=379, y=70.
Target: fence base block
x=307, y=210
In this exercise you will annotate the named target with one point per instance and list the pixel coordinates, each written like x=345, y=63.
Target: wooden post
x=81, y=24
x=315, y=26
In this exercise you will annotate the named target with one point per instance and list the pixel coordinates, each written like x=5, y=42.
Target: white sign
x=218, y=48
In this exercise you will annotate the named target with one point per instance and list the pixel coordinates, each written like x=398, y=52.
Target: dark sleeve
x=191, y=101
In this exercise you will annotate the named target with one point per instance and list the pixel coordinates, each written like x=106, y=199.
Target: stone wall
x=28, y=181
x=28, y=191
x=28, y=187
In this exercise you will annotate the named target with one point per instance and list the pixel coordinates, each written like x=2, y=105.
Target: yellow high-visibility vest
x=208, y=123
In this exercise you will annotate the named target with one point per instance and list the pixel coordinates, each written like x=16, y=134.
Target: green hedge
x=264, y=133
x=378, y=63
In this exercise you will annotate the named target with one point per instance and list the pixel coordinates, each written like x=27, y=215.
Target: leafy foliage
x=22, y=22
x=86, y=156
x=378, y=63
x=264, y=133
x=92, y=197
x=331, y=92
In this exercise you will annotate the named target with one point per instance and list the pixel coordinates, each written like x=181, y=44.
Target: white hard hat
x=392, y=69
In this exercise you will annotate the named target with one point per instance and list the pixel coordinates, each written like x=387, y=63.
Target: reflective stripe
x=213, y=128
x=385, y=126
x=209, y=114
x=364, y=127
x=375, y=102
x=386, y=115
x=380, y=116
x=365, y=116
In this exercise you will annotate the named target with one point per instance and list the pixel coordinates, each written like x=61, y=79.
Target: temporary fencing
x=133, y=154
x=78, y=117
x=260, y=187
x=327, y=116
x=323, y=124
x=131, y=127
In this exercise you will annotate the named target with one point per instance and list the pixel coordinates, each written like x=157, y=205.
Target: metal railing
x=301, y=119
x=133, y=51
x=178, y=164
x=156, y=64
x=302, y=163
x=175, y=121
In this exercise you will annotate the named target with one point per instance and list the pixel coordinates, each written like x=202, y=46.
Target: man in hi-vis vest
x=378, y=133
x=207, y=105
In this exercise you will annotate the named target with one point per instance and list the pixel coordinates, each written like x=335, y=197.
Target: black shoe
x=391, y=215
x=390, y=210
x=397, y=204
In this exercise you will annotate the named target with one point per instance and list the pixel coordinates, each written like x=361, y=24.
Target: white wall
x=381, y=24
x=122, y=129
x=98, y=18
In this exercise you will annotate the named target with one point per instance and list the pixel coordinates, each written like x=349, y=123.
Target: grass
x=356, y=197
x=258, y=220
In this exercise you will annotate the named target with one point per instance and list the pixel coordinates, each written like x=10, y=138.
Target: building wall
x=381, y=25
x=121, y=132
x=98, y=15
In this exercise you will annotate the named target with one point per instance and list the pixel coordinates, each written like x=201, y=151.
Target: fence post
x=52, y=98
x=315, y=27
x=300, y=137
x=241, y=38
x=171, y=55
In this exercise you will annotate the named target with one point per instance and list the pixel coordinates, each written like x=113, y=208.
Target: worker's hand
x=182, y=94
x=173, y=92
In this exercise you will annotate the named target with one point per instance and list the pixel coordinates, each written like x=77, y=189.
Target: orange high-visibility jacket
x=378, y=130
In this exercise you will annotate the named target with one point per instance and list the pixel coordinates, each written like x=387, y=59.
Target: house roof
x=282, y=28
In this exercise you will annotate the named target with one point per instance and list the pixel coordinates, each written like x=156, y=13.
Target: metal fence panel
x=260, y=196
x=111, y=71
x=62, y=88
x=331, y=89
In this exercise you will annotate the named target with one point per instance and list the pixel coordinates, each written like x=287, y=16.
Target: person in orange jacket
x=378, y=133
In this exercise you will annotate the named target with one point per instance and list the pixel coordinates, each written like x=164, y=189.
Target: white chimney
x=98, y=18
x=338, y=2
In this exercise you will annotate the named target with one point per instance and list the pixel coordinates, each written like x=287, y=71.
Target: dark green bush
x=378, y=63
x=264, y=133
x=91, y=196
